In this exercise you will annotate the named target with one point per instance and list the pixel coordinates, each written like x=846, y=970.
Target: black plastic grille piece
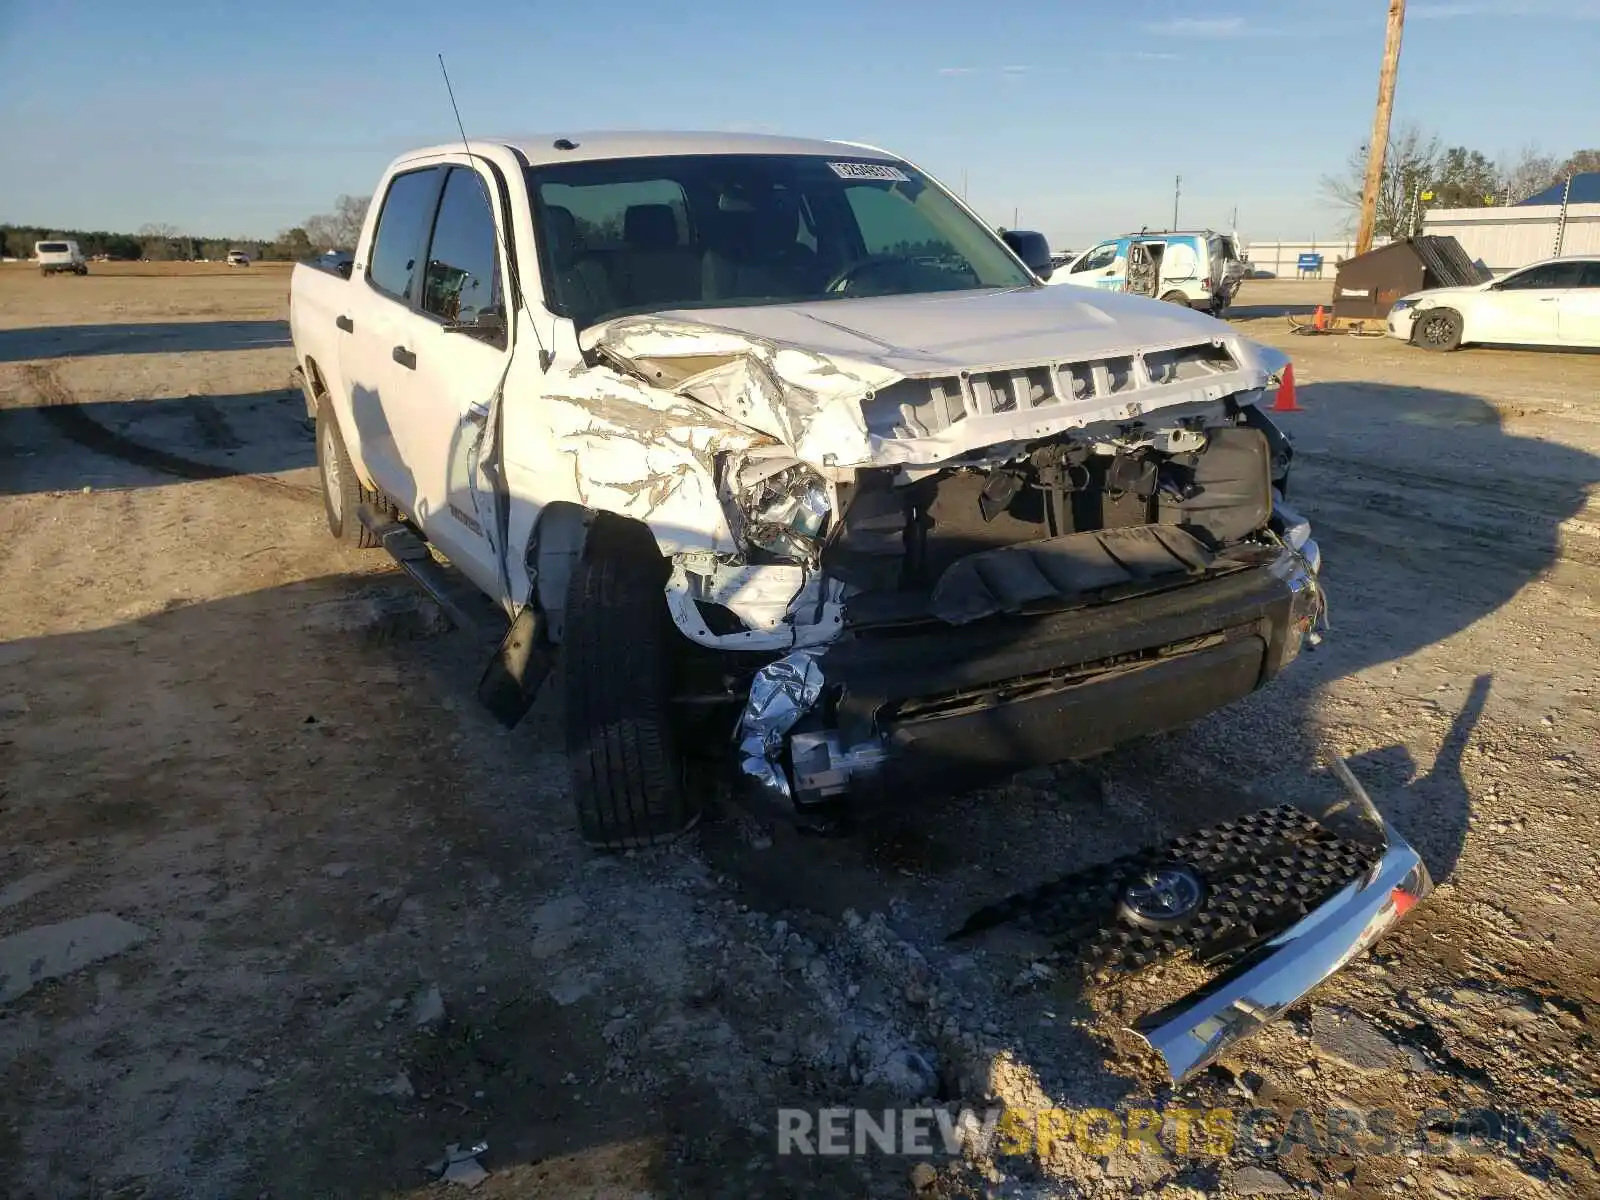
x=1262, y=872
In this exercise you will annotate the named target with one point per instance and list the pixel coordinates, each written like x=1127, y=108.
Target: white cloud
x=1011, y=72
x=1199, y=27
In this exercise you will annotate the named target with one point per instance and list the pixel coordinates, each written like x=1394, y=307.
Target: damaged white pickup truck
x=797, y=464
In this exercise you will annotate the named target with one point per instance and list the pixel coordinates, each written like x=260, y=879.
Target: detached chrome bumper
x=1192, y=1032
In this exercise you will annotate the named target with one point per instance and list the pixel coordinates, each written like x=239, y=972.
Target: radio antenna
x=545, y=356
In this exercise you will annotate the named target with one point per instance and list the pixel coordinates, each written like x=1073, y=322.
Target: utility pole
x=1177, y=190
x=1378, y=144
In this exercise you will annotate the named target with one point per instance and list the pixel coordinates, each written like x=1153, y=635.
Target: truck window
x=53, y=247
x=463, y=277
x=709, y=230
x=890, y=222
x=600, y=210
x=402, y=223
x=1098, y=258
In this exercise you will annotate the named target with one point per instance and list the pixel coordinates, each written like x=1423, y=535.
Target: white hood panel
x=990, y=367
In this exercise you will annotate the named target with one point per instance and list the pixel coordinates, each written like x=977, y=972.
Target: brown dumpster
x=1369, y=283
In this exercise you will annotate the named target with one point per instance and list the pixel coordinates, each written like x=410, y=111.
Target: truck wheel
x=1438, y=329
x=342, y=490
x=627, y=777
x=1175, y=297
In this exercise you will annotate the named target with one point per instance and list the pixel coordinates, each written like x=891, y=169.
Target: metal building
x=1542, y=226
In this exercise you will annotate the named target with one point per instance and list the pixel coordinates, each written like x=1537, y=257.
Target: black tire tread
x=627, y=784
x=1439, y=314
x=347, y=527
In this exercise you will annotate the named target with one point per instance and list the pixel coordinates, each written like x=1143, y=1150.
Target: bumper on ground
x=1197, y=1029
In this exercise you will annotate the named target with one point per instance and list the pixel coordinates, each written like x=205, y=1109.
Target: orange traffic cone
x=1319, y=320
x=1285, y=401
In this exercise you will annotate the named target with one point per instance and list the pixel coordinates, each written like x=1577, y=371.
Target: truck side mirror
x=1032, y=248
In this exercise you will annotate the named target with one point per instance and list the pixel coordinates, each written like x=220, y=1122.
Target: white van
x=57, y=256
x=1201, y=268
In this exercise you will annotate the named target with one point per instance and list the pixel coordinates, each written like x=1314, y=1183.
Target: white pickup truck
x=797, y=466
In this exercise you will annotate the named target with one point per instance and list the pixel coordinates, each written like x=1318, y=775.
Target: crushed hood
x=926, y=378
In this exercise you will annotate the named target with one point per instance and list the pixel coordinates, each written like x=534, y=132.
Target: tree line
x=1421, y=172
x=336, y=230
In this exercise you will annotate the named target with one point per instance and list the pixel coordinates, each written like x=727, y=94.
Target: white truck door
x=459, y=353
x=373, y=331
x=1096, y=267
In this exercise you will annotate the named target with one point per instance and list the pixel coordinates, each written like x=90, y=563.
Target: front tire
x=342, y=490
x=1437, y=329
x=627, y=777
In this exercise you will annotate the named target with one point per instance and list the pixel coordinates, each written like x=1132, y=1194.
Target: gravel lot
x=344, y=922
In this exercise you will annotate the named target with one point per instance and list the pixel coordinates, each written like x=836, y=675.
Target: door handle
x=477, y=414
x=345, y=323
x=405, y=358
x=1548, y=299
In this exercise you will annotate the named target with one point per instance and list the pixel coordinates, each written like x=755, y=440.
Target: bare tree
x=339, y=229
x=1530, y=170
x=1412, y=162
x=1581, y=162
x=349, y=214
x=319, y=230
x=159, y=242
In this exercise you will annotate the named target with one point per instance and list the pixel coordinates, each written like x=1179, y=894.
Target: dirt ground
x=344, y=920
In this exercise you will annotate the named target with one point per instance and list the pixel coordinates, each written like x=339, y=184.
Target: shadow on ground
x=321, y=745
x=1250, y=312
x=153, y=337
x=142, y=443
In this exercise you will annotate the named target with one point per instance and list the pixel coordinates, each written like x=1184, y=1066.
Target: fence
x=1279, y=258
x=1504, y=239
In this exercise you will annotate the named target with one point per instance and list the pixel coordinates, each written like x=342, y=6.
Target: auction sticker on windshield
x=863, y=170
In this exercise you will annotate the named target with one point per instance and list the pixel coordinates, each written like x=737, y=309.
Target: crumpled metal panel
x=782, y=692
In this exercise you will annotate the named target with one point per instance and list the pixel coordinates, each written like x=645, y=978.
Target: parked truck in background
x=797, y=466
x=60, y=256
x=1202, y=269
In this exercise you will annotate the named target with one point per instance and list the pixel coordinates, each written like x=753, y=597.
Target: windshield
x=701, y=231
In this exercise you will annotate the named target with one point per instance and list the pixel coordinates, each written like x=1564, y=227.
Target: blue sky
x=240, y=120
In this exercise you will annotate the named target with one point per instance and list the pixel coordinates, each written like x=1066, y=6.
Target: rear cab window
x=53, y=248
x=402, y=225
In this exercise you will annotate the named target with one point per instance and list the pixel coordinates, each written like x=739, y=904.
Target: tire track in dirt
x=58, y=405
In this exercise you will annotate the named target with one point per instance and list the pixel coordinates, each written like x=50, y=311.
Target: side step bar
x=411, y=552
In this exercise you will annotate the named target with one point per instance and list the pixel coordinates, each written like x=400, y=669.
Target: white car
x=1551, y=303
